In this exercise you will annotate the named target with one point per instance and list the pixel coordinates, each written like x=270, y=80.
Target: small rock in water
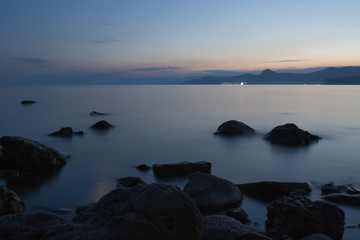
x=28, y=102
x=233, y=127
x=94, y=113
x=66, y=132
x=129, y=182
x=143, y=167
x=101, y=125
x=332, y=188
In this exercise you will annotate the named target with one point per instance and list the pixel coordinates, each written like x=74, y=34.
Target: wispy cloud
x=32, y=60
x=284, y=60
x=106, y=40
x=157, y=69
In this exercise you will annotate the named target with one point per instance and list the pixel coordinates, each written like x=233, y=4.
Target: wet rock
x=28, y=102
x=343, y=198
x=238, y=214
x=223, y=227
x=290, y=135
x=298, y=217
x=143, y=167
x=24, y=154
x=269, y=191
x=233, y=127
x=10, y=203
x=332, y=188
x=66, y=132
x=94, y=113
x=180, y=169
x=317, y=237
x=129, y=182
x=84, y=208
x=211, y=193
x=101, y=125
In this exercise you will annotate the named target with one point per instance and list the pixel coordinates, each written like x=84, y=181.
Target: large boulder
x=10, y=203
x=298, y=217
x=223, y=227
x=269, y=191
x=180, y=169
x=24, y=154
x=154, y=211
x=102, y=125
x=66, y=132
x=290, y=135
x=233, y=127
x=212, y=193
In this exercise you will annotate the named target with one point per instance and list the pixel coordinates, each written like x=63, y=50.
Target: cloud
x=156, y=69
x=285, y=60
x=32, y=60
x=106, y=40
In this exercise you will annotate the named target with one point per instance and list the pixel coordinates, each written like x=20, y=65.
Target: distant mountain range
x=332, y=75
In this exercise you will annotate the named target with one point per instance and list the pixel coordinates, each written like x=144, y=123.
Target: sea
x=175, y=123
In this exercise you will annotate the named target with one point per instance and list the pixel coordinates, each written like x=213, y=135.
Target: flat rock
x=25, y=154
x=28, y=102
x=269, y=191
x=233, y=127
x=66, y=132
x=101, y=125
x=10, y=203
x=332, y=188
x=298, y=217
x=290, y=135
x=129, y=182
x=223, y=227
x=343, y=198
x=212, y=193
x=180, y=169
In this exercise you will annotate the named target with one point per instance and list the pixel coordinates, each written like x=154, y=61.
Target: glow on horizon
x=186, y=36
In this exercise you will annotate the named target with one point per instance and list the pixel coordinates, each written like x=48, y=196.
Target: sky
x=144, y=38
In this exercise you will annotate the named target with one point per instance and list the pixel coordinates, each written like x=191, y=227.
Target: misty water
x=167, y=124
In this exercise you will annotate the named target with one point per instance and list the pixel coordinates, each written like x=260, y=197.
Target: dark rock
x=234, y=127
x=24, y=154
x=211, y=193
x=154, y=211
x=102, y=125
x=269, y=191
x=223, y=227
x=290, y=135
x=28, y=102
x=317, y=236
x=332, y=188
x=94, y=113
x=343, y=198
x=180, y=169
x=238, y=214
x=129, y=182
x=84, y=208
x=298, y=217
x=143, y=167
x=66, y=132
x=10, y=203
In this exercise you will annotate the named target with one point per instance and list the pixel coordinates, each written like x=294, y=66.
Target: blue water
x=164, y=124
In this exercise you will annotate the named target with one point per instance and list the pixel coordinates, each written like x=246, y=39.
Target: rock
x=28, y=102
x=143, y=167
x=24, y=154
x=154, y=211
x=298, y=217
x=238, y=214
x=101, y=125
x=94, y=113
x=129, y=182
x=180, y=169
x=84, y=208
x=317, y=236
x=332, y=188
x=66, y=132
x=269, y=191
x=234, y=127
x=211, y=193
x=223, y=227
x=343, y=198
x=10, y=203
x=290, y=135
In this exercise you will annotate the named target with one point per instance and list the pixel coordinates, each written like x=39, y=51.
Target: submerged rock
x=211, y=193
x=28, y=102
x=298, y=217
x=180, y=169
x=10, y=203
x=66, y=132
x=332, y=188
x=269, y=191
x=129, y=182
x=290, y=135
x=143, y=167
x=234, y=127
x=101, y=125
x=94, y=113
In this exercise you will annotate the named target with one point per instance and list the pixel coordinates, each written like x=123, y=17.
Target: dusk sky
x=142, y=37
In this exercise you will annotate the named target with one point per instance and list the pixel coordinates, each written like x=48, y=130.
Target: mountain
x=354, y=80
x=270, y=77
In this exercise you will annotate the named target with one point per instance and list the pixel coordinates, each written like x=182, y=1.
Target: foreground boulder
x=66, y=132
x=223, y=227
x=180, y=169
x=332, y=188
x=233, y=127
x=24, y=154
x=290, y=135
x=269, y=191
x=211, y=193
x=101, y=125
x=298, y=217
x=10, y=203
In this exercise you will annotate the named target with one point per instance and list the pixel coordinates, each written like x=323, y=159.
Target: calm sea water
x=165, y=124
